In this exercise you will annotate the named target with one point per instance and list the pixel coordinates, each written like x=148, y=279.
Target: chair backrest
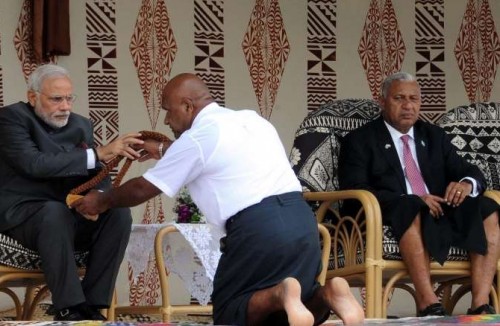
x=475, y=130
x=314, y=155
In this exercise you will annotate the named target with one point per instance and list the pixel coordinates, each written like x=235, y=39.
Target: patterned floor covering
x=428, y=321
x=464, y=320
x=44, y=319
x=43, y=316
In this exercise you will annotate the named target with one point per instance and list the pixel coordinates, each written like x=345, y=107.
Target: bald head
x=183, y=98
x=188, y=86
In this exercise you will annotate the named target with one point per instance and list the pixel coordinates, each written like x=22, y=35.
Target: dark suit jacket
x=39, y=163
x=369, y=160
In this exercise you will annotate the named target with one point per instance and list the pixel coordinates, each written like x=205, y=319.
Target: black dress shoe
x=69, y=314
x=95, y=314
x=435, y=309
x=483, y=309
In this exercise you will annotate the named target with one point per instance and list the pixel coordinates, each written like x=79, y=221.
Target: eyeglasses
x=58, y=99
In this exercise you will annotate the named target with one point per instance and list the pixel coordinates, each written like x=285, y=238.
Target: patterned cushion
x=14, y=254
x=316, y=146
x=474, y=130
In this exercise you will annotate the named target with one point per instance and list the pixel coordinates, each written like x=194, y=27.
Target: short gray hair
x=43, y=72
x=398, y=76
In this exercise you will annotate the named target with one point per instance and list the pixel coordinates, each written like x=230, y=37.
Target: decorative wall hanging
x=23, y=40
x=266, y=50
x=381, y=47
x=209, y=43
x=429, y=48
x=321, y=52
x=153, y=48
x=477, y=50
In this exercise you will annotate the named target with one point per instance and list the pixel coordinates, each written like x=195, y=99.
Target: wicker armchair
x=21, y=267
x=363, y=250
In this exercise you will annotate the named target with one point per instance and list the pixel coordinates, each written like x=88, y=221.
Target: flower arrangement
x=186, y=210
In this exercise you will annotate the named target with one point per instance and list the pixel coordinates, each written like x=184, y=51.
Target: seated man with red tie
x=428, y=194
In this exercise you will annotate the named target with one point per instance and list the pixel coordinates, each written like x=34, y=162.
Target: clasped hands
x=131, y=146
x=126, y=145
x=454, y=196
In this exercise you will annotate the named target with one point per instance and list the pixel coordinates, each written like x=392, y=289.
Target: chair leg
x=445, y=291
x=39, y=296
x=110, y=312
x=28, y=299
x=15, y=299
x=32, y=301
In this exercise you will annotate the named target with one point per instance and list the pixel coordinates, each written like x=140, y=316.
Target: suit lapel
x=421, y=146
x=389, y=152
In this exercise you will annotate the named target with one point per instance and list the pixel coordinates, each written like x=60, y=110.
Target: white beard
x=53, y=119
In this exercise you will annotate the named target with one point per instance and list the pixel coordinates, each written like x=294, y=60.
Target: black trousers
x=55, y=232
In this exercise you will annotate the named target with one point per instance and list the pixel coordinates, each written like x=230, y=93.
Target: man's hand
x=91, y=205
x=456, y=192
x=151, y=149
x=124, y=145
x=434, y=203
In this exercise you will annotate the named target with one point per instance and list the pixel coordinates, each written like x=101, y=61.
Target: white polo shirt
x=229, y=160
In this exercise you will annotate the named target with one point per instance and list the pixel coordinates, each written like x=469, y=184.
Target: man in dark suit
x=45, y=151
x=431, y=202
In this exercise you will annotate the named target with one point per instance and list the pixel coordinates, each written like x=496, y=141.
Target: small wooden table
x=193, y=260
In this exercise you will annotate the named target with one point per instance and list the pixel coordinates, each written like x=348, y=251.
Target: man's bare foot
x=289, y=293
x=342, y=301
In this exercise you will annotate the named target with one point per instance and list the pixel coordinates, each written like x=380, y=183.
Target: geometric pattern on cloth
x=430, y=57
x=321, y=52
x=266, y=49
x=477, y=51
x=209, y=44
x=13, y=254
x=475, y=130
x=381, y=47
x=314, y=154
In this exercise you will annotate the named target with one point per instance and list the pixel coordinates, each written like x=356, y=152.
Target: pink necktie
x=412, y=172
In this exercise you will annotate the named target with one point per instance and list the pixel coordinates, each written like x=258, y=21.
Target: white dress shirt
x=229, y=160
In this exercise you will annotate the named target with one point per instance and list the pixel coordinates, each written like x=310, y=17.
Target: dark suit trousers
x=55, y=232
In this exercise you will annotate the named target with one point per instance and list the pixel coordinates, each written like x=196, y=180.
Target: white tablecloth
x=193, y=256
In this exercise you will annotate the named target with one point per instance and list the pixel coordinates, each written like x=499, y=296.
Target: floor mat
x=43, y=316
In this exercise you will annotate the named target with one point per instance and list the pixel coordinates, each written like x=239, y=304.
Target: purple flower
x=186, y=210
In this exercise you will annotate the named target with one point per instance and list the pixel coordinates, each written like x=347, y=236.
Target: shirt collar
x=396, y=135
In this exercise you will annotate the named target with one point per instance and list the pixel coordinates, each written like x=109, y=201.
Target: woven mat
x=438, y=321
x=43, y=318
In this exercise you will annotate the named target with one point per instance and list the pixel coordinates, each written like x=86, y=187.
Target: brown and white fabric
x=475, y=130
x=13, y=254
